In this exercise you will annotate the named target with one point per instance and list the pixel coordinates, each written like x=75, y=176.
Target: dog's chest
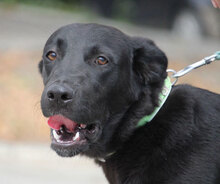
x=110, y=173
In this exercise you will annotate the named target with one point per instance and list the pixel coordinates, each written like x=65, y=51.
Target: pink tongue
x=55, y=122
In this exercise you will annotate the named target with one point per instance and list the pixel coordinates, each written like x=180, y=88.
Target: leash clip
x=205, y=61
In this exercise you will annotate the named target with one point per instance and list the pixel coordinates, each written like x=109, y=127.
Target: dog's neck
x=162, y=99
x=163, y=95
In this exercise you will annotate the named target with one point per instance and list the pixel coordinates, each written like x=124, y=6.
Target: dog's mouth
x=66, y=132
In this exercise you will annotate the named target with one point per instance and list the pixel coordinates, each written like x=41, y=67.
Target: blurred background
x=186, y=30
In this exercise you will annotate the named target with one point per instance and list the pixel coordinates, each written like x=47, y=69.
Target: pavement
x=35, y=163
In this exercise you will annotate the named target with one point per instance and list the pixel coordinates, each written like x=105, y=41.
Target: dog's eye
x=101, y=60
x=51, y=55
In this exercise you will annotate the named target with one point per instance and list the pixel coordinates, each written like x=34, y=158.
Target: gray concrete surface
x=37, y=164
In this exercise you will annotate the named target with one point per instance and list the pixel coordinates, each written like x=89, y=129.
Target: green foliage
x=63, y=4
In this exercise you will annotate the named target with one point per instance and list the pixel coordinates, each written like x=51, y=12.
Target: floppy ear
x=149, y=66
x=149, y=62
x=40, y=66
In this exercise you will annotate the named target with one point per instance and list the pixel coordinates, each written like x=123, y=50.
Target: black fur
x=181, y=145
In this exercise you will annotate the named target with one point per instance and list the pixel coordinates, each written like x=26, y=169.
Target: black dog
x=100, y=82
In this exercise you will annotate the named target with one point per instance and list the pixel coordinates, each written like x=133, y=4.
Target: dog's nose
x=59, y=94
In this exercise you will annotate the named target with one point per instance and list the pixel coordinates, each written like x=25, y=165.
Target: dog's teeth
x=76, y=136
x=62, y=129
x=55, y=135
x=83, y=125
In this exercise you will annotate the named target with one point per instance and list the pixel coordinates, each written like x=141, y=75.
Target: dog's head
x=98, y=82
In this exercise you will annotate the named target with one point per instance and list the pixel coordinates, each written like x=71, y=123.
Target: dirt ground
x=20, y=90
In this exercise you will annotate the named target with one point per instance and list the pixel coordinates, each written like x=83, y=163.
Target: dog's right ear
x=40, y=66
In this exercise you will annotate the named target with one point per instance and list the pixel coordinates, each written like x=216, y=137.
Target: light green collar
x=162, y=98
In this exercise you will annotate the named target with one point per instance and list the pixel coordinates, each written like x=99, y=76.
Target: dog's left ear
x=40, y=66
x=149, y=62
